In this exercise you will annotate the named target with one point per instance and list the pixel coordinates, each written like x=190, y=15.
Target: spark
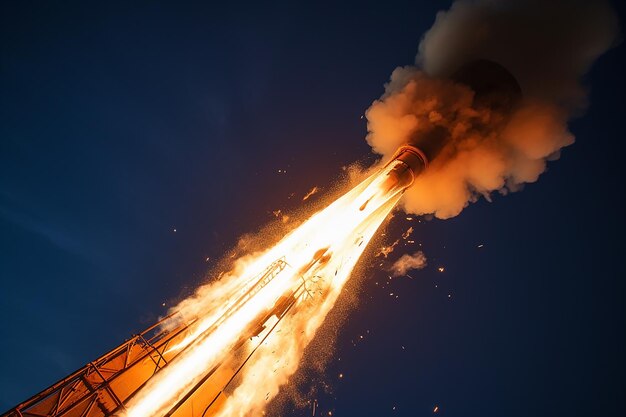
x=441, y=269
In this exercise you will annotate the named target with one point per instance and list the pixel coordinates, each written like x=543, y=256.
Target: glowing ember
x=272, y=303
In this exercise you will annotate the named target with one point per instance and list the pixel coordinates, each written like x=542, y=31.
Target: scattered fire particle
x=174, y=230
x=312, y=191
x=340, y=375
x=406, y=234
x=449, y=295
x=207, y=259
x=276, y=213
x=436, y=409
x=409, y=218
x=163, y=304
x=441, y=269
x=481, y=245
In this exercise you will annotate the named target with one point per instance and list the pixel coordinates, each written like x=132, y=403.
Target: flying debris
x=312, y=191
x=386, y=250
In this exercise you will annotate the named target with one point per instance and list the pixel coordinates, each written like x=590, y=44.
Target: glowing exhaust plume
x=307, y=270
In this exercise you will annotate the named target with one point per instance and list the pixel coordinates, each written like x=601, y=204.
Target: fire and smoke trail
x=315, y=261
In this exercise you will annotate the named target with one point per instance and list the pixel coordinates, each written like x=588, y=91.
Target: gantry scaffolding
x=103, y=387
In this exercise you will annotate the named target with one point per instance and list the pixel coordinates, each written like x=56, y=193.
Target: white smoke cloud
x=407, y=263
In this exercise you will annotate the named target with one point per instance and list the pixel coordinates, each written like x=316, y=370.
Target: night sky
x=121, y=123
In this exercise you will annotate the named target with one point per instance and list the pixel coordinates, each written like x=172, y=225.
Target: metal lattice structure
x=103, y=387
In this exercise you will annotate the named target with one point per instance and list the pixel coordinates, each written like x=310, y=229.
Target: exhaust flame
x=289, y=300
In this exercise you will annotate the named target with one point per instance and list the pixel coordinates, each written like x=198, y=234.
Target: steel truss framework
x=103, y=387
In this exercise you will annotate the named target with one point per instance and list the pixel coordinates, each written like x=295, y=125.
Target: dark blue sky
x=122, y=122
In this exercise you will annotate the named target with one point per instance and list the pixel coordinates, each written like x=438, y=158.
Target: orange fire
x=267, y=309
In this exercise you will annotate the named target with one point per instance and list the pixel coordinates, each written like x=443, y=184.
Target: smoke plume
x=407, y=263
x=488, y=146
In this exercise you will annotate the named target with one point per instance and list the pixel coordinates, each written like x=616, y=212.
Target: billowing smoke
x=408, y=263
x=484, y=135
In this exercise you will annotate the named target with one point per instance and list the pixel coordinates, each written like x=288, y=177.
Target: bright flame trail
x=272, y=311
